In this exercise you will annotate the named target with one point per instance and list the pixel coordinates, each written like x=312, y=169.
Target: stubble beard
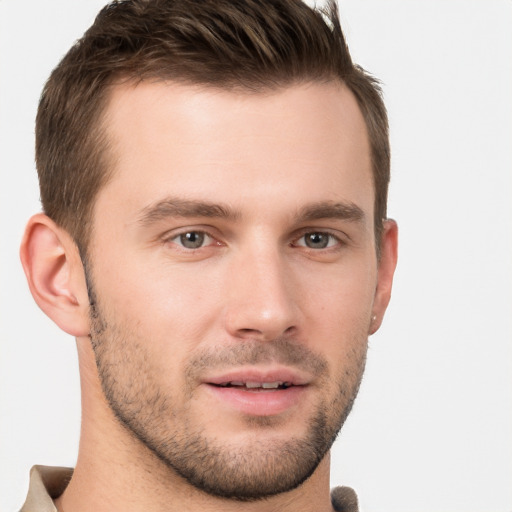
x=264, y=466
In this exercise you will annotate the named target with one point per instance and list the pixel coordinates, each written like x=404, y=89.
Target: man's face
x=233, y=270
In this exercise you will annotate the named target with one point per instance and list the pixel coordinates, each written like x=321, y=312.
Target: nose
x=261, y=303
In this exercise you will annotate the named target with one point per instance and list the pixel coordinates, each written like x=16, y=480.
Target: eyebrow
x=188, y=208
x=174, y=207
x=331, y=210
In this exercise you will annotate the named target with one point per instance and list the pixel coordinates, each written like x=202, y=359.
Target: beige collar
x=48, y=483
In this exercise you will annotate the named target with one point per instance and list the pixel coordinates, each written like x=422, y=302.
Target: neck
x=117, y=472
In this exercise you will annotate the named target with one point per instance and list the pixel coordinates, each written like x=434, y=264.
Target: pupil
x=192, y=240
x=317, y=240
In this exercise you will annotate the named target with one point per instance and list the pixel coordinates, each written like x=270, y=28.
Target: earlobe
x=386, y=271
x=55, y=275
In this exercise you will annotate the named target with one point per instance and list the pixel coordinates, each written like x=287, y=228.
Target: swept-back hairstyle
x=242, y=45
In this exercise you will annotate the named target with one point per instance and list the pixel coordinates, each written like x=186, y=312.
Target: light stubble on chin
x=264, y=466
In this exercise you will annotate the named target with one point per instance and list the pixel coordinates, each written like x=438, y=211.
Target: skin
x=253, y=297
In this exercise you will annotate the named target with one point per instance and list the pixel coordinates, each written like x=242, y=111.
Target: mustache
x=282, y=351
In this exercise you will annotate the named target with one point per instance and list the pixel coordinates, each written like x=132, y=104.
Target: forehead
x=308, y=142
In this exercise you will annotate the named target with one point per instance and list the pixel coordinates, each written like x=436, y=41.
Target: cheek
x=337, y=315
x=344, y=295
x=170, y=308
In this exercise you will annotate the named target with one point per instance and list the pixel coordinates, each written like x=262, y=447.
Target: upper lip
x=286, y=375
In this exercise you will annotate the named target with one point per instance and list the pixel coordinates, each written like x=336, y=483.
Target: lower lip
x=258, y=403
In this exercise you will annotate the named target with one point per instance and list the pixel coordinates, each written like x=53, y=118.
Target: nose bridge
x=261, y=301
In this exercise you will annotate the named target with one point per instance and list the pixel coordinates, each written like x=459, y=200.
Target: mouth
x=255, y=386
x=260, y=379
x=258, y=393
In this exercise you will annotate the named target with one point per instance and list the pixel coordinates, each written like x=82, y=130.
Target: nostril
x=249, y=331
x=266, y=334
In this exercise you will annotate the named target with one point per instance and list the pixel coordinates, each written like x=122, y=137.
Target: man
x=214, y=180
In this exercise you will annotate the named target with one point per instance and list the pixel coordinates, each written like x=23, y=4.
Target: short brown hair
x=251, y=45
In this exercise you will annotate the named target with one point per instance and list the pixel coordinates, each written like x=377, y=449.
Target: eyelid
x=206, y=241
x=341, y=237
x=332, y=237
x=171, y=235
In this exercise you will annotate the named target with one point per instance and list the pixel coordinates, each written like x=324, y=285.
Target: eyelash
x=175, y=238
x=330, y=239
x=333, y=241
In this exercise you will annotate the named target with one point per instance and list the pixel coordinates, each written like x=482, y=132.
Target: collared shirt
x=48, y=483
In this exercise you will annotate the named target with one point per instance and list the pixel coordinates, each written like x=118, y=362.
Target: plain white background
x=432, y=428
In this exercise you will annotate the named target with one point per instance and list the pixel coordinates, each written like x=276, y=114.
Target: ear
x=386, y=271
x=55, y=274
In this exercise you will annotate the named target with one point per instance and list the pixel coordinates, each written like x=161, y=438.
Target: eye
x=192, y=239
x=317, y=240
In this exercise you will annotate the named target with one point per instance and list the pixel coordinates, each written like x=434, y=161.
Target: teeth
x=264, y=385
x=257, y=385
